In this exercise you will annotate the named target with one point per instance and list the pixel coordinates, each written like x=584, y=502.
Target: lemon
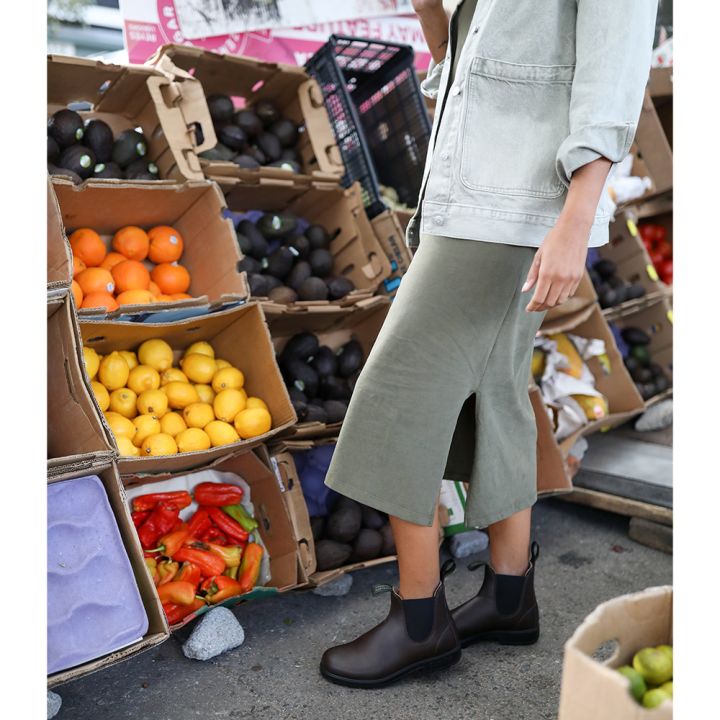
x=653, y=698
x=92, y=362
x=205, y=392
x=130, y=358
x=228, y=403
x=152, y=402
x=666, y=649
x=655, y=665
x=255, y=402
x=667, y=687
x=113, y=371
x=180, y=394
x=124, y=402
x=172, y=375
x=145, y=425
x=126, y=448
x=253, y=422
x=220, y=363
x=221, y=433
x=227, y=378
x=120, y=425
x=156, y=353
x=198, y=414
x=159, y=444
x=192, y=439
x=201, y=348
x=199, y=368
x=172, y=423
x=101, y=394
x=142, y=378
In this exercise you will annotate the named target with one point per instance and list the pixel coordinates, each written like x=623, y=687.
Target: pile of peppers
x=205, y=560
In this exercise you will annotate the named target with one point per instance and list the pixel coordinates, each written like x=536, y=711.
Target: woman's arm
x=434, y=23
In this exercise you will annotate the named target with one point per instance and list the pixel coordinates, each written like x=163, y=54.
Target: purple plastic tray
x=93, y=603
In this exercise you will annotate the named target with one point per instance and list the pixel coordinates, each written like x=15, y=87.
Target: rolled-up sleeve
x=613, y=51
x=430, y=86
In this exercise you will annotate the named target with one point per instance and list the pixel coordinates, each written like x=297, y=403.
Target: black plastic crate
x=381, y=125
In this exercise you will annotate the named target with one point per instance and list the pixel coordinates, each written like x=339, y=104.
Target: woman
x=536, y=101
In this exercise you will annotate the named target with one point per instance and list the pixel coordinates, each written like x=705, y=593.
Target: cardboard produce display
x=59, y=257
x=126, y=97
x=390, y=233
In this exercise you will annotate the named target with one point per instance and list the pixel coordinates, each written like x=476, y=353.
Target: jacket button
x=439, y=219
x=456, y=90
x=445, y=155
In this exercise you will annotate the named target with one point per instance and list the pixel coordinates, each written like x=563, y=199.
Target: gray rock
x=656, y=417
x=217, y=631
x=468, y=543
x=54, y=703
x=337, y=587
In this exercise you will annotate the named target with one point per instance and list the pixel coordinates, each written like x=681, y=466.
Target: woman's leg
x=509, y=543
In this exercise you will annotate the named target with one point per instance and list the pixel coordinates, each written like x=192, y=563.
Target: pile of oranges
x=141, y=268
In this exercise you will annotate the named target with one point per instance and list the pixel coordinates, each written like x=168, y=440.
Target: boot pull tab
x=534, y=552
x=381, y=588
x=448, y=568
x=476, y=565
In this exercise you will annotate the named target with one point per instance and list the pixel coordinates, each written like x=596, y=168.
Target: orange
x=135, y=297
x=96, y=279
x=88, y=246
x=100, y=299
x=171, y=278
x=179, y=296
x=164, y=298
x=78, y=266
x=130, y=275
x=132, y=242
x=166, y=244
x=111, y=260
x=77, y=293
x=154, y=289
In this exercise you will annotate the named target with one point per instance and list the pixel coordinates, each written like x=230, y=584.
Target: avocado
x=255, y=152
x=388, y=547
x=641, y=354
x=331, y=554
x=300, y=245
x=220, y=153
x=286, y=132
x=332, y=387
x=315, y=413
x=318, y=237
x=66, y=128
x=605, y=268
x=280, y=263
x=141, y=169
x=79, y=159
x=371, y=518
x=339, y=287
x=615, y=282
x=296, y=395
x=270, y=146
x=656, y=370
x=352, y=380
x=313, y=288
x=608, y=298
x=321, y=262
x=642, y=375
x=232, y=136
x=632, y=364
x=283, y=295
x=594, y=277
x=301, y=346
x=276, y=225
x=350, y=358
x=99, y=138
x=288, y=165
x=129, y=145
x=258, y=285
x=244, y=244
x=248, y=122
x=367, y=545
x=301, y=272
x=266, y=112
x=53, y=151
x=620, y=294
x=344, y=523
x=257, y=241
x=108, y=170
x=246, y=162
x=661, y=383
x=324, y=361
x=221, y=108
x=317, y=524
x=249, y=265
x=292, y=155
x=301, y=410
x=55, y=170
x=300, y=375
x=272, y=283
x=336, y=410
x=647, y=390
x=635, y=336
x=635, y=291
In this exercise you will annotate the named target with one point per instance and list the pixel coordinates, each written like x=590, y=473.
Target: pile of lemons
x=155, y=409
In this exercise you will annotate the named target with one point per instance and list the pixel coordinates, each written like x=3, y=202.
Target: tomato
x=665, y=249
x=657, y=259
x=665, y=270
x=653, y=232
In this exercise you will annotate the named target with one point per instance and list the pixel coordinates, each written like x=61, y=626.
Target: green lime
x=654, y=665
x=653, y=698
x=637, y=682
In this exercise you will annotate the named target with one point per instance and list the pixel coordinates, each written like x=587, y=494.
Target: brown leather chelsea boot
x=403, y=643
x=504, y=610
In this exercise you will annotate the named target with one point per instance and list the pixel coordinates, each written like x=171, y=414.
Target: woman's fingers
x=533, y=273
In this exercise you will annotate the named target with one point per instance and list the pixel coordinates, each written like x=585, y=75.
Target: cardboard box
x=266, y=495
x=296, y=95
x=194, y=209
x=240, y=336
x=593, y=690
x=168, y=109
x=74, y=421
x=390, y=233
x=654, y=146
x=334, y=327
x=357, y=254
x=59, y=257
x=103, y=465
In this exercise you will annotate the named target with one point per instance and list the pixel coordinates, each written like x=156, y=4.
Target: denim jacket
x=541, y=88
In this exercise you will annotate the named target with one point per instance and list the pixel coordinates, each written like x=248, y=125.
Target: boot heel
x=519, y=637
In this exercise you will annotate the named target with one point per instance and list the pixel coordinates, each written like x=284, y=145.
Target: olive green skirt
x=444, y=391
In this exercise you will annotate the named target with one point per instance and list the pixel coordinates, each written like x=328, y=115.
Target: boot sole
x=504, y=637
x=435, y=663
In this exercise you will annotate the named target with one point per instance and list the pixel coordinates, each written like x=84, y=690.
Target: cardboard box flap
x=565, y=322
x=59, y=256
x=60, y=468
x=74, y=79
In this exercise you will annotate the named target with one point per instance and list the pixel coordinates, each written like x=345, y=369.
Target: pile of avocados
x=351, y=533
x=287, y=265
x=611, y=289
x=254, y=136
x=88, y=149
x=649, y=377
x=320, y=381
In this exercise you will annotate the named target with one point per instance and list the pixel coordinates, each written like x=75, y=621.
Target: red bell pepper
x=221, y=588
x=231, y=554
x=208, y=563
x=160, y=522
x=250, y=566
x=189, y=572
x=151, y=565
x=175, y=613
x=199, y=523
x=179, y=498
x=214, y=535
x=178, y=592
x=172, y=542
x=139, y=518
x=167, y=570
x=217, y=494
x=230, y=527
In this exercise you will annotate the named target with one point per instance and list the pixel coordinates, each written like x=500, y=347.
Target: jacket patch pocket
x=516, y=117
